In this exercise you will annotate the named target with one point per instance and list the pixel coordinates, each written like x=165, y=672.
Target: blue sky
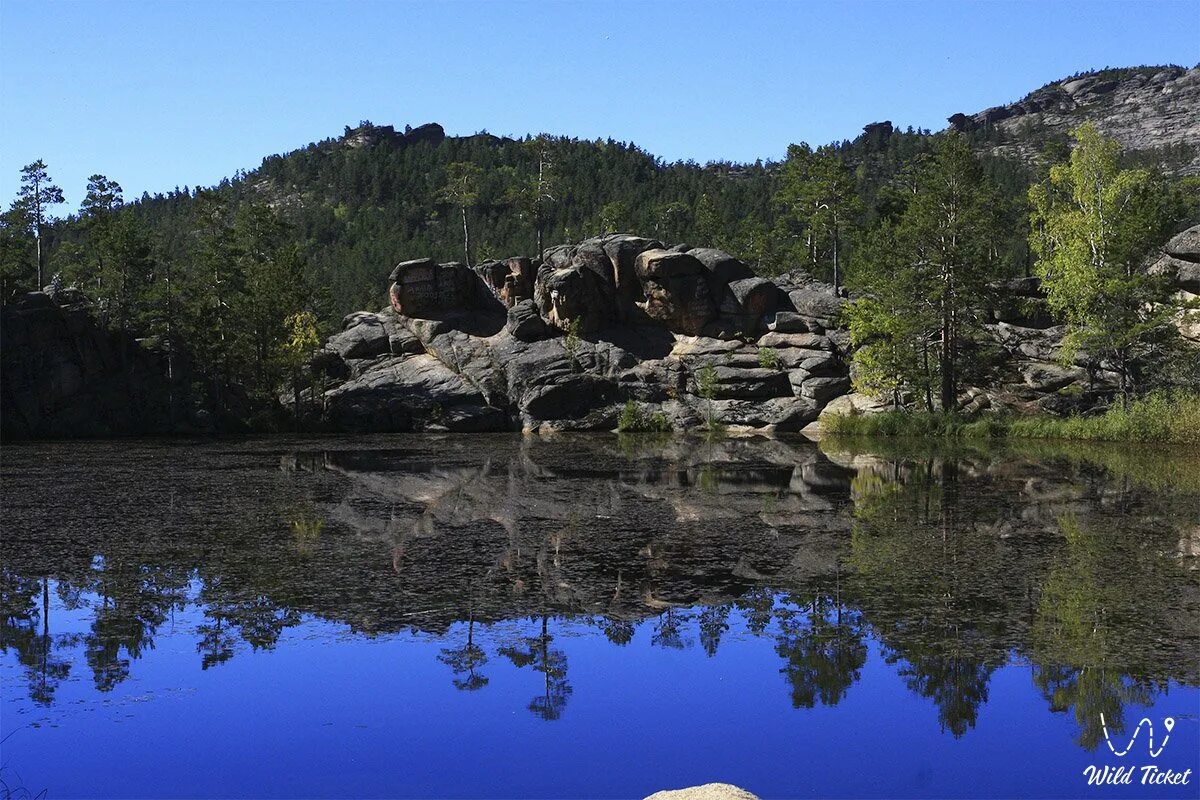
x=179, y=93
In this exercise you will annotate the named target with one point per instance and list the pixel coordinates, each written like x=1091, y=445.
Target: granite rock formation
x=690, y=335
x=1143, y=109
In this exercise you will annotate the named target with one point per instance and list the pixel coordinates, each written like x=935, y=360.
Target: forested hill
x=364, y=200
x=357, y=203
x=374, y=195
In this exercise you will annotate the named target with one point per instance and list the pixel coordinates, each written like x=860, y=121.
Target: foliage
x=634, y=419
x=1172, y=417
x=924, y=276
x=35, y=196
x=818, y=203
x=462, y=191
x=768, y=358
x=1093, y=224
x=572, y=340
x=706, y=382
x=706, y=389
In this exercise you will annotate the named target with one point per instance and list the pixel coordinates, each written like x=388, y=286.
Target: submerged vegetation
x=1172, y=417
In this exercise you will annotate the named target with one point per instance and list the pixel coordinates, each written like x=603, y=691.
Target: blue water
x=324, y=688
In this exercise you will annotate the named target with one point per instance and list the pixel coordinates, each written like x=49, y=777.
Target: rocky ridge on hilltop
x=1142, y=108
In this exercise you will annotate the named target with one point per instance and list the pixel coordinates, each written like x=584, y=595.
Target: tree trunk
x=947, y=364
x=836, y=276
x=296, y=395
x=38, y=238
x=928, y=376
x=466, y=237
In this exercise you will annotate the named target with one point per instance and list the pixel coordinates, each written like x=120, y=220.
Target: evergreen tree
x=36, y=195
x=926, y=276
x=16, y=249
x=818, y=201
x=461, y=190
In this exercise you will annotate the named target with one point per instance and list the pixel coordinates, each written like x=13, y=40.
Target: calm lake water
x=497, y=616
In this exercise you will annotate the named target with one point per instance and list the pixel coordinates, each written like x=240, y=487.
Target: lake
x=600, y=616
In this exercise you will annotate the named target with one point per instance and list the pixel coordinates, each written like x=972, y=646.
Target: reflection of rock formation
x=954, y=563
x=597, y=531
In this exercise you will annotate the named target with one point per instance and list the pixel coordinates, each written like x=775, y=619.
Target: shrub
x=634, y=419
x=768, y=357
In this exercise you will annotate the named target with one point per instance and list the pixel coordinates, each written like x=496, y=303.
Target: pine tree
x=924, y=278
x=36, y=195
x=818, y=202
x=461, y=190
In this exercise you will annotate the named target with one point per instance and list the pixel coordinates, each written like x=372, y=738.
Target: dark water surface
x=498, y=616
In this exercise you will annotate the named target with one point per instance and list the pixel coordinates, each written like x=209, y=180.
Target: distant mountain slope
x=1155, y=110
x=364, y=200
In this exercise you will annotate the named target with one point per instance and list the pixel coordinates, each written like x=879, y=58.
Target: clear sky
x=171, y=92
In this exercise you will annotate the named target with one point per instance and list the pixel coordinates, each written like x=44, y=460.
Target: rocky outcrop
x=1149, y=108
x=1179, y=263
x=63, y=375
x=689, y=335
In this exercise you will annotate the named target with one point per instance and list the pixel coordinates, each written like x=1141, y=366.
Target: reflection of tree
x=618, y=631
x=668, y=631
x=1087, y=592
x=1091, y=691
x=536, y=652
x=930, y=573
x=463, y=661
x=234, y=612
x=134, y=600
x=714, y=622
x=19, y=617
x=949, y=675
x=823, y=655
x=757, y=605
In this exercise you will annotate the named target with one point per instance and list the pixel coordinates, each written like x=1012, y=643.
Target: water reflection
x=956, y=564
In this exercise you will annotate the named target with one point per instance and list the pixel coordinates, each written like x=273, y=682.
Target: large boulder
x=748, y=302
x=525, y=323
x=623, y=250
x=1185, y=245
x=407, y=393
x=574, y=298
x=787, y=322
x=723, y=269
x=63, y=374
x=676, y=290
x=510, y=281
x=818, y=304
x=365, y=337
x=423, y=288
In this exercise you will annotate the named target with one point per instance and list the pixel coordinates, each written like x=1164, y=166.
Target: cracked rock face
x=1145, y=109
x=566, y=344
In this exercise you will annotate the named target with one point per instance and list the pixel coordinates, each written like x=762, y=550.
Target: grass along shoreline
x=1162, y=417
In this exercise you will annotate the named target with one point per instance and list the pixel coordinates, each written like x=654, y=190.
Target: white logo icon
x=1168, y=723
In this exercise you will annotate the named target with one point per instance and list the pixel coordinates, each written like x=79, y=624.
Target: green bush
x=634, y=419
x=768, y=357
